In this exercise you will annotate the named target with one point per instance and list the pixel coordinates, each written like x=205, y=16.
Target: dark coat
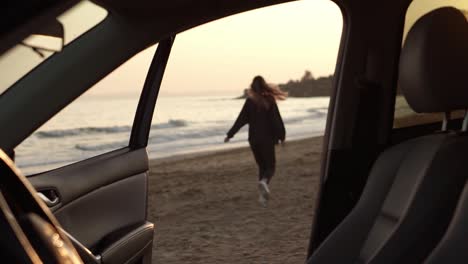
x=265, y=125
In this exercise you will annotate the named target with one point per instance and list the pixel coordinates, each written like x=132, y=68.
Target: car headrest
x=433, y=73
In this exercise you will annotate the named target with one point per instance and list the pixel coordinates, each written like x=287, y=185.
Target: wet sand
x=205, y=206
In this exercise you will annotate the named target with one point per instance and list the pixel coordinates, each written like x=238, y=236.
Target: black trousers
x=264, y=153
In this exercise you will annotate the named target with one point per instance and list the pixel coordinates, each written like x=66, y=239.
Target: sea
x=94, y=125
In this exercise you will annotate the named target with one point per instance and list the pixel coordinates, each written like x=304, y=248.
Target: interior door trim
x=101, y=171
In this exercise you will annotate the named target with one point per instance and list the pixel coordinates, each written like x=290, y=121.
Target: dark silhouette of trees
x=307, y=86
x=307, y=76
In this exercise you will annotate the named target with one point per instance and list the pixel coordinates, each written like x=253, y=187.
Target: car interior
x=387, y=195
x=411, y=193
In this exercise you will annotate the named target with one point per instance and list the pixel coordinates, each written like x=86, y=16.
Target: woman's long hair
x=265, y=94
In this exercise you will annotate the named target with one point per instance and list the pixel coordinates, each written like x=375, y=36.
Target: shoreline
x=228, y=149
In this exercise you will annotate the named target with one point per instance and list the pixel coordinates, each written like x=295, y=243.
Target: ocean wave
x=318, y=112
x=163, y=137
x=299, y=119
x=319, y=109
x=100, y=147
x=158, y=137
x=81, y=130
x=293, y=120
x=174, y=123
x=61, y=133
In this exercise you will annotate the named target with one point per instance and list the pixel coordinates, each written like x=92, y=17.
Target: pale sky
x=279, y=42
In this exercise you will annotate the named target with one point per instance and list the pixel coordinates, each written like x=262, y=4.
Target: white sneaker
x=264, y=190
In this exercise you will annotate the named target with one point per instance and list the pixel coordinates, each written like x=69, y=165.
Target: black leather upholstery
x=453, y=248
x=89, y=208
x=413, y=187
x=409, y=198
x=434, y=62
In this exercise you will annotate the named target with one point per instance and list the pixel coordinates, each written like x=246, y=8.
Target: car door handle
x=51, y=199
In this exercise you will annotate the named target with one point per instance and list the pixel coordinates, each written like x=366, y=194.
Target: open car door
x=101, y=202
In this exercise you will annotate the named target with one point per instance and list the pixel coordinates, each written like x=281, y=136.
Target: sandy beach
x=205, y=206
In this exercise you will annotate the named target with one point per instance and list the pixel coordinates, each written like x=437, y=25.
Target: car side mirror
x=49, y=38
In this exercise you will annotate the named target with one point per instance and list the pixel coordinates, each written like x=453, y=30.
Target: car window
x=206, y=189
x=22, y=58
x=404, y=115
x=97, y=122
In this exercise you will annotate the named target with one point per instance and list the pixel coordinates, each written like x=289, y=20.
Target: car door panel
x=95, y=216
x=102, y=202
x=75, y=180
x=131, y=247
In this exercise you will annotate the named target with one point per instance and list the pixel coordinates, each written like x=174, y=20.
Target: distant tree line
x=307, y=86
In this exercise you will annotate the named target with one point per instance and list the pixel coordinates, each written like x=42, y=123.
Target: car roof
x=23, y=17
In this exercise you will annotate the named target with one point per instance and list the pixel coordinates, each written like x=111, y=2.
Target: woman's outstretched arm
x=242, y=119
